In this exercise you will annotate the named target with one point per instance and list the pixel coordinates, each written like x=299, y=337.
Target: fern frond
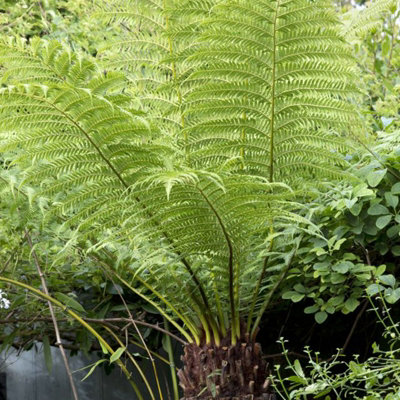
x=279, y=77
x=175, y=161
x=359, y=23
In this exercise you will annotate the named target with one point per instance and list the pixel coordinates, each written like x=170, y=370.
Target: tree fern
x=112, y=172
x=174, y=165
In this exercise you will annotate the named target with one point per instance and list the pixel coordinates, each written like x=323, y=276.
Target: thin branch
x=349, y=336
x=366, y=253
x=53, y=316
x=44, y=296
x=108, y=321
x=172, y=364
x=289, y=353
x=140, y=336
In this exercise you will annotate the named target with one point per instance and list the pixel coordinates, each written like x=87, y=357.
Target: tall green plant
x=178, y=167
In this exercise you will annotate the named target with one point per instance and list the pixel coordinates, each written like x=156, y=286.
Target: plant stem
x=269, y=296
x=257, y=289
x=230, y=265
x=132, y=321
x=171, y=363
x=160, y=310
x=82, y=322
x=53, y=317
x=273, y=77
x=134, y=362
x=219, y=307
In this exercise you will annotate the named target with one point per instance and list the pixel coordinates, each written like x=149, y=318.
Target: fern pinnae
x=190, y=139
x=186, y=319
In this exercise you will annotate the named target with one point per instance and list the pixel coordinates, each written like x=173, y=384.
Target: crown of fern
x=184, y=173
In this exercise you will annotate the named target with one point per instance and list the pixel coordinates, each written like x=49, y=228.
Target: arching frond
x=271, y=87
x=175, y=161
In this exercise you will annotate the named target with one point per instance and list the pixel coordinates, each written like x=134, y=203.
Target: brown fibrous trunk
x=225, y=372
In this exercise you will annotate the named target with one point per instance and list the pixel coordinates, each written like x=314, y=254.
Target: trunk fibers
x=225, y=372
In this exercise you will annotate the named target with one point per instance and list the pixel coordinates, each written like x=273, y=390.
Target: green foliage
x=374, y=32
x=375, y=378
x=66, y=21
x=187, y=206
x=359, y=242
x=162, y=162
x=217, y=94
x=271, y=89
x=361, y=23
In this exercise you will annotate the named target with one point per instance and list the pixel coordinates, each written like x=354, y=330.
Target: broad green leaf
x=342, y=267
x=288, y=295
x=297, y=297
x=383, y=248
x=93, y=367
x=392, y=296
x=395, y=250
x=374, y=288
x=103, y=348
x=356, y=209
x=381, y=222
x=298, y=369
x=339, y=243
x=378, y=209
x=393, y=231
x=335, y=301
x=370, y=228
x=395, y=188
x=389, y=280
x=330, y=309
x=375, y=177
x=117, y=355
x=311, y=309
x=351, y=304
x=150, y=309
x=320, y=317
x=297, y=379
x=337, y=278
x=391, y=199
x=356, y=368
x=69, y=302
x=381, y=269
x=299, y=288
x=362, y=190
